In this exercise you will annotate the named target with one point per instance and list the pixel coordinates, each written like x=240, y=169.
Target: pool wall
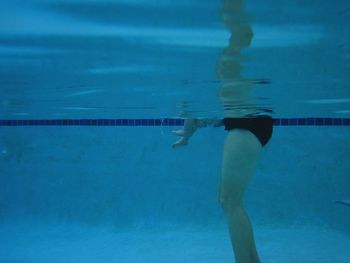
x=130, y=176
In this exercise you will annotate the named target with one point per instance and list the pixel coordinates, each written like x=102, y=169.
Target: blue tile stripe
x=94, y=122
x=312, y=122
x=165, y=122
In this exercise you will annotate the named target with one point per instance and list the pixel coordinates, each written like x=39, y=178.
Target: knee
x=230, y=202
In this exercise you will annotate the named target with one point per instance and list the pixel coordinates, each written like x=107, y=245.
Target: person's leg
x=241, y=151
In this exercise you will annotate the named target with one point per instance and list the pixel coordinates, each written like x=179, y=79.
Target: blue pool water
x=90, y=92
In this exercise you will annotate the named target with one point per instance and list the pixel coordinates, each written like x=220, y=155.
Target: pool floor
x=24, y=242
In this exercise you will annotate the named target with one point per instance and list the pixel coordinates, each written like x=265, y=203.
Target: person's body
x=244, y=142
x=249, y=129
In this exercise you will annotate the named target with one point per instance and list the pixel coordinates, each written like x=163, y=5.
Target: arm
x=190, y=127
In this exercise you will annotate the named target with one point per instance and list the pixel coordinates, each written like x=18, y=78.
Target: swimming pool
x=90, y=92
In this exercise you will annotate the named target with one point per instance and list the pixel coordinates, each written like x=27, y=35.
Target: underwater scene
x=148, y=131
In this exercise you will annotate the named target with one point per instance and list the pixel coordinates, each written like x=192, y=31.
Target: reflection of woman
x=248, y=131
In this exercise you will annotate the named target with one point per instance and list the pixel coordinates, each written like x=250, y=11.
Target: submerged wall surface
x=132, y=176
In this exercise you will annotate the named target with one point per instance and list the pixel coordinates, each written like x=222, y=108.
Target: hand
x=190, y=126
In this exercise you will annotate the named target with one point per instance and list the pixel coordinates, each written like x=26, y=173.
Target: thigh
x=241, y=151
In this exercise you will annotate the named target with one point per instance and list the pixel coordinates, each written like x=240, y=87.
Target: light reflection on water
x=146, y=59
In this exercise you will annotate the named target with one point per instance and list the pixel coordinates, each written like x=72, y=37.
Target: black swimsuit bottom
x=260, y=126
